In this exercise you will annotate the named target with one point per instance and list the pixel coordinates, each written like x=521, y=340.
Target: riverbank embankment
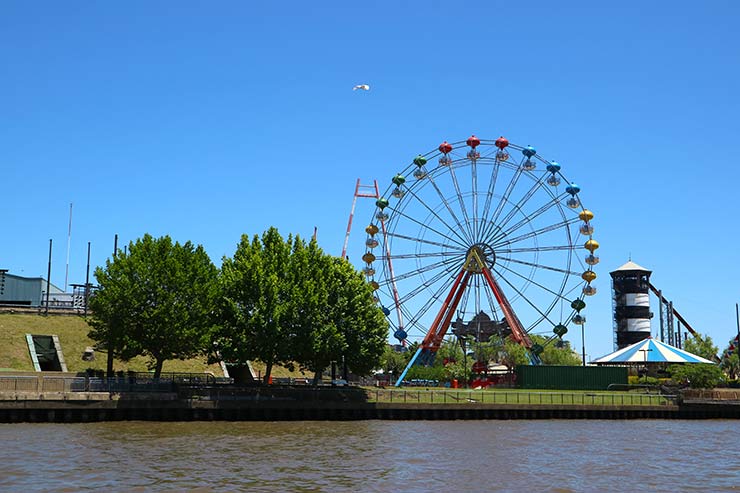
x=348, y=403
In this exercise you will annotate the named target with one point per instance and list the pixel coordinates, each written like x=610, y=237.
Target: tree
x=697, y=375
x=286, y=302
x=554, y=355
x=731, y=364
x=107, y=308
x=337, y=319
x=701, y=346
x=393, y=362
x=357, y=317
x=513, y=354
x=254, y=309
x=156, y=300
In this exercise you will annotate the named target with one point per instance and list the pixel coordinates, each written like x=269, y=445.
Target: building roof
x=631, y=266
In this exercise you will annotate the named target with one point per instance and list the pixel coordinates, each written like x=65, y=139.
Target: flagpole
x=737, y=318
x=69, y=239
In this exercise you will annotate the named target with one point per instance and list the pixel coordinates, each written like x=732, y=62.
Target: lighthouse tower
x=630, y=287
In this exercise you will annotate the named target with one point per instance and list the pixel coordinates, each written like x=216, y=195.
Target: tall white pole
x=69, y=240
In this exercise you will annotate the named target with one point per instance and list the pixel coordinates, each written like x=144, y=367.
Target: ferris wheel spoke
x=537, y=185
x=492, y=304
x=406, y=256
x=425, y=285
x=489, y=194
x=492, y=223
x=538, y=249
x=529, y=218
x=447, y=205
x=474, y=179
x=426, y=268
x=541, y=266
x=456, y=231
x=507, y=193
x=543, y=314
x=415, y=318
x=537, y=232
x=461, y=202
x=461, y=243
x=424, y=241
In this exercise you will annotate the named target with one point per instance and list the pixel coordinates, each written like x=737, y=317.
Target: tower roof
x=631, y=266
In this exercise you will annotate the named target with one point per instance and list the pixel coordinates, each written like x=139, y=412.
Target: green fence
x=570, y=377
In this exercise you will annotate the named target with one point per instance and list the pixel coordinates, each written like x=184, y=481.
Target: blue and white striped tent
x=649, y=351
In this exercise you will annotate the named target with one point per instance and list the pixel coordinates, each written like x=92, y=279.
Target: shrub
x=697, y=375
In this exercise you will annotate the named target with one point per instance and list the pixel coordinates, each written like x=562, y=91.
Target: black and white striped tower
x=631, y=299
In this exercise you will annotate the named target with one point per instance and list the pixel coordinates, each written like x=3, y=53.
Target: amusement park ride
x=483, y=231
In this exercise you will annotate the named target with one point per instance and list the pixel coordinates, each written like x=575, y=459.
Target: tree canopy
x=155, y=300
x=701, y=345
x=697, y=375
x=286, y=302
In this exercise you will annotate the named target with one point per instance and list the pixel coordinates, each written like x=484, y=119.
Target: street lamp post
x=644, y=353
x=583, y=342
x=463, y=339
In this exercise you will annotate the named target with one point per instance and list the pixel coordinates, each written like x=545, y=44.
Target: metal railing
x=45, y=383
x=205, y=386
x=521, y=397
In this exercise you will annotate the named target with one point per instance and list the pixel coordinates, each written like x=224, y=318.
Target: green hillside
x=72, y=332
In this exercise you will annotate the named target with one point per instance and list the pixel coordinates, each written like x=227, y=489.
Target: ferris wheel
x=483, y=236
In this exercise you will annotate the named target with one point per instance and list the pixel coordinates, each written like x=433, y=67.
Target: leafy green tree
x=108, y=311
x=255, y=311
x=513, y=354
x=701, y=346
x=358, y=318
x=731, y=363
x=393, y=361
x=449, y=350
x=697, y=375
x=554, y=355
x=156, y=300
x=286, y=302
x=337, y=317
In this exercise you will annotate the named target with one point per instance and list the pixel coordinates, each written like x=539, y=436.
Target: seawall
x=104, y=406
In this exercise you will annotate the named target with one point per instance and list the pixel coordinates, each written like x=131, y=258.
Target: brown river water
x=392, y=456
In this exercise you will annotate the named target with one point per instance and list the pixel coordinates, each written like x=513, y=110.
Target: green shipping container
x=569, y=377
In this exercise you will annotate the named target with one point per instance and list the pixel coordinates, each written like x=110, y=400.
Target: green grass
x=72, y=331
x=516, y=396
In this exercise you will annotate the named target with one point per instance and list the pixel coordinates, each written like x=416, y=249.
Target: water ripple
x=559, y=456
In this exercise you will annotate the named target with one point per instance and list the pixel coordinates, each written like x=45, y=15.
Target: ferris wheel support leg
x=429, y=346
x=412, y=362
x=517, y=329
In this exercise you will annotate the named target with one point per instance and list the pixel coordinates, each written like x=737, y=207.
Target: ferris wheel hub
x=479, y=255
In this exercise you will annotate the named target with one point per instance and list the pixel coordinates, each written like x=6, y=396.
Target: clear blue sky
x=207, y=120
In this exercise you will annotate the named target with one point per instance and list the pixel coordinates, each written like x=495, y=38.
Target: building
x=631, y=298
x=30, y=291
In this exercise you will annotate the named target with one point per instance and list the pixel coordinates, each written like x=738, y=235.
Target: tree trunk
x=317, y=378
x=109, y=365
x=158, y=368
x=268, y=371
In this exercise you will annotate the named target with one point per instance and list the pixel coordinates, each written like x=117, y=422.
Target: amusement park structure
x=631, y=288
x=480, y=235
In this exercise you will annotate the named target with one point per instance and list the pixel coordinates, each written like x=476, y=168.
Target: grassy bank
x=516, y=396
x=72, y=331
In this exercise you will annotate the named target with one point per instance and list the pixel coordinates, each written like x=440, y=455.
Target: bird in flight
x=364, y=87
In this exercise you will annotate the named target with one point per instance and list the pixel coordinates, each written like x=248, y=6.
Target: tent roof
x=650, y=351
